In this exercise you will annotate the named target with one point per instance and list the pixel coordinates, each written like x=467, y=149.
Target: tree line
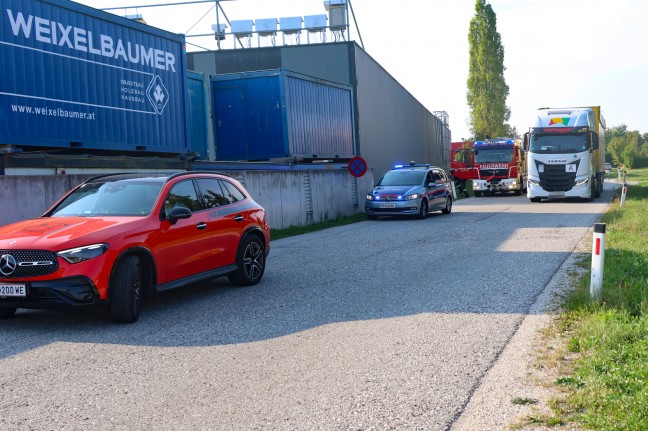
x=627, y=148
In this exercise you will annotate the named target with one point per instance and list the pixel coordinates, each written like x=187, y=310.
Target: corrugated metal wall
x=320, y=119
x=391, y=125
x=278, y=114
x=394, y=127
x=199, y=115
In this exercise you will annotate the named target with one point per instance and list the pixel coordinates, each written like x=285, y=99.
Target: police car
x=414, y=189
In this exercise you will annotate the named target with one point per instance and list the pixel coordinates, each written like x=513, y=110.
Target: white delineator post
x=625, y=190
x=598, y=257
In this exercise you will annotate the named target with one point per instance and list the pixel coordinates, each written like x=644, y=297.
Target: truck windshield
x=558, y=143
x=494, y=155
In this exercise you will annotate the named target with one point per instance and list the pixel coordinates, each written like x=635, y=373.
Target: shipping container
x=279, y=114
x=198, y=113
x=390, y=125
x=76, y=77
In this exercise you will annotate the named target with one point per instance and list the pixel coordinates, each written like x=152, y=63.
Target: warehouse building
x=389, y=124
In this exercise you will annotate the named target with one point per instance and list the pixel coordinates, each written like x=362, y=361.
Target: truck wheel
x=423, y=210
x=7, y=313
x=477, y=194
x=596, y=187
x=126, y=290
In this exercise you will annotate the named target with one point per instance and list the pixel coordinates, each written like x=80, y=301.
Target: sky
x=557, y=53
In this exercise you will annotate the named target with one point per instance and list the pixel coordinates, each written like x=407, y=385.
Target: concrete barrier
x=291, y=198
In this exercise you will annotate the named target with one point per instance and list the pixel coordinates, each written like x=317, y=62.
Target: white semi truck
x=566, y=153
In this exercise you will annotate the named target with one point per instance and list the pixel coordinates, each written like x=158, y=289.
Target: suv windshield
x=558, y=143
x=402, y=178
x=115, y=198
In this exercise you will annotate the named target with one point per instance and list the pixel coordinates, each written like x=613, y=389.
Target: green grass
x=607, y=380
x=298, y=230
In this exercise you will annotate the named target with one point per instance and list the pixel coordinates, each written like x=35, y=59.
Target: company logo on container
x=563, y=121
x=157, y=94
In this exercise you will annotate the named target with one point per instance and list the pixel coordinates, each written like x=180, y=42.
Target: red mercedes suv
x=116, y=237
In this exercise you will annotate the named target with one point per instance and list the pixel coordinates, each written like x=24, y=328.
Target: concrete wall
x=291, y=198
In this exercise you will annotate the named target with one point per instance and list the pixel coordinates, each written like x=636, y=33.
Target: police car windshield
x=488, y=155
x=558, y=143
x=402, y=178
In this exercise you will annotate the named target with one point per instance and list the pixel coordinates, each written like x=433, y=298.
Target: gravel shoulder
x=519, y=373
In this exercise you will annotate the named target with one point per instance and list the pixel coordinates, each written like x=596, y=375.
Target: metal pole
x=598, y=257
x=624, y=191
x=217, y=25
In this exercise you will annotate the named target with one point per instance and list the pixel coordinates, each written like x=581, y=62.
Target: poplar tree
x=487, y=89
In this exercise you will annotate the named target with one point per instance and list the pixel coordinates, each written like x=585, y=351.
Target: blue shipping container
x=198, y=115
x=281, y=114
x=77, y=77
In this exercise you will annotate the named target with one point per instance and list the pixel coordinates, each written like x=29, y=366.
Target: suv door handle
x=238, y=217
x=202, y=225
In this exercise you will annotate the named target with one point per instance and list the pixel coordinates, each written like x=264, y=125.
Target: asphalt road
x=386, y=324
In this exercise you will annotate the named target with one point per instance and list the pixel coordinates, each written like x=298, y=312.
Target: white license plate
x=13, y=290
x=387, y=205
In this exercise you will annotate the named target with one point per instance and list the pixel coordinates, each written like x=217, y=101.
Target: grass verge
x=606, y=374
x=298, y=230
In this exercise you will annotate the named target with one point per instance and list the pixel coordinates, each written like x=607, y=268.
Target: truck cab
x=501, y=167
x=566, y=150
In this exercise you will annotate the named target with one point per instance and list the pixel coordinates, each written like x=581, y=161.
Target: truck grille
x=490, y=172
x=30, y=263
x=555, y=179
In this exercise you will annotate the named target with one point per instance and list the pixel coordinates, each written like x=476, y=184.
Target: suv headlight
x=81, y=254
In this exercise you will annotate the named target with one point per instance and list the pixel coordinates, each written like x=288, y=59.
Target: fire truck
x=462, y=164
x=501, y=165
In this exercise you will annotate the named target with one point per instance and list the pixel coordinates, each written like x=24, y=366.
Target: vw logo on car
x=7, y=264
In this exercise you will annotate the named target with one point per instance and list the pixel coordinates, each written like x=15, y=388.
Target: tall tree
x=487, y=89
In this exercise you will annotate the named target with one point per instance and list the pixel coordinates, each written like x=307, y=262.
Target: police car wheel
x=423, y=211
x=448, y=206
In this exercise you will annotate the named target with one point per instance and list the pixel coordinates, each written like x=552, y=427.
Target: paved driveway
x=386, y=324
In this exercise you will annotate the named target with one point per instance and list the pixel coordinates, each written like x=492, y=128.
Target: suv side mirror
x=179, y=213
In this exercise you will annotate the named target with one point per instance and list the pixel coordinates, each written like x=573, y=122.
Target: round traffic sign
x=357, y=166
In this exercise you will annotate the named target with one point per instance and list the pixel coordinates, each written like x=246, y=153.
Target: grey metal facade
x=391, y=125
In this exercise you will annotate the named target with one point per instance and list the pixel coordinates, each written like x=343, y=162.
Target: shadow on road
x=475, y=260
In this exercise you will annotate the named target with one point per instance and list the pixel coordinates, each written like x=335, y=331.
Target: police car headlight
x=412, y=197
x=370, y=197
x=81, y=254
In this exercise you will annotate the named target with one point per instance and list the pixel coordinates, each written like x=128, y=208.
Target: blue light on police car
x=398, y=166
